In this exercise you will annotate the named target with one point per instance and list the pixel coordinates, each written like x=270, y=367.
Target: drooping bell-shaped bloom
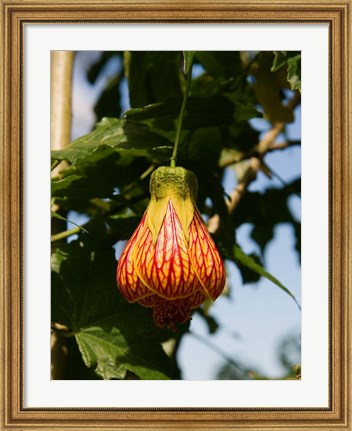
x=171, y=263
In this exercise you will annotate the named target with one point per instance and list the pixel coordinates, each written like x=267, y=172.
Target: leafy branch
x=105, y=179
x=254, y=166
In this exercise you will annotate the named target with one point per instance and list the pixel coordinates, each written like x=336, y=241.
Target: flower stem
x=182, y=114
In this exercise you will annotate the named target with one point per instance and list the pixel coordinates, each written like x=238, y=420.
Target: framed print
x=186, y=142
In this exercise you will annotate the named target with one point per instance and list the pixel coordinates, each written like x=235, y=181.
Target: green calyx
x=177, y=185
x=173, y=182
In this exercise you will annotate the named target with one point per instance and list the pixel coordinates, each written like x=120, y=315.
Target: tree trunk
x=60, y=136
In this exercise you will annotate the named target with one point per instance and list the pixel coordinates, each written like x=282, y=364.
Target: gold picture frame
x=15, y=13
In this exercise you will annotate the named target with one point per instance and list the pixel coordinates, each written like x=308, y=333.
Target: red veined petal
x=149, y=301
x=130, y=285
x=197, y=298
x=205, y=258
x=165, y=267
x=194, y=300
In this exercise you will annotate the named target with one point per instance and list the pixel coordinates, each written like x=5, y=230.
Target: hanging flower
x=171, y=263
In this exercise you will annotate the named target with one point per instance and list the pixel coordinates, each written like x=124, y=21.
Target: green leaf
x=108, y=103
x=153, y=76
x=294, y=72
x=268, y=88
x=241, y=137
x=250, y=263
x=123, y=226
x=124, y=202
x=279, y=61
x=266, y=209
x=113, y=335
x=112, y=133
x=221, y=64
x=59, y=186
x=248, y=275
x=102, y=175
x=188, y=57
x=107, y=132
x=292, y=61
x=201, y=112
x=204, y=144
x=246, y=111
x=211, y=322
x=112, y=353
x=94, y=175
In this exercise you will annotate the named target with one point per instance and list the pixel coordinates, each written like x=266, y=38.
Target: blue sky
x=256, y=317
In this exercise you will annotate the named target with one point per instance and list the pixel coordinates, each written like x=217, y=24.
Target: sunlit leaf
x=294, y=72
x=113, y=133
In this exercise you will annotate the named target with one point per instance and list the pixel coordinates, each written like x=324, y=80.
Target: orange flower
x=171, y=263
